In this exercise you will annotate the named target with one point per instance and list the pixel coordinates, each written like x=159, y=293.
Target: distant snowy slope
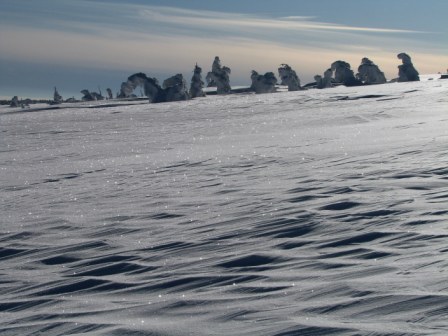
x=426, y=77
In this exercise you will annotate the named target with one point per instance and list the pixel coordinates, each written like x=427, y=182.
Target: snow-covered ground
x=320, y=212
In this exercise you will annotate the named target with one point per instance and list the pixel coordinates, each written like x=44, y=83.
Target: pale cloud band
x=208, y=19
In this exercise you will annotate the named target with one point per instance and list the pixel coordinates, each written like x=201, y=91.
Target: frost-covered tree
x=343, y=74
x=326, y=81
x=14, y=102
x=197, y=85
x=175, y=88
x=406, y=71
x=57, y=98
x=219, y=77
x=369, y=73
x=289, y=77
x=263, y=83
x=91, y=96
x=138, y=80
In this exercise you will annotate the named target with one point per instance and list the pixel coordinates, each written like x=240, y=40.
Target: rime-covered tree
x=219, y=77
x=91, y=96
x=369, y=73
x=14, y=102
x=406, y=71
x=325, y=81
x=289, y=77
x=197, y=85
x=175, y=88
x=57, y=98
x=343, y=74
x=263, y=83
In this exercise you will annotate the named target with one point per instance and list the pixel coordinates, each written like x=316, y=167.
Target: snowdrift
x=296, y=213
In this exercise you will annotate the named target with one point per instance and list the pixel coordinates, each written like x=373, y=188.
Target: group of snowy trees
x=175, y=87
x=368, y=73
x=340, y=73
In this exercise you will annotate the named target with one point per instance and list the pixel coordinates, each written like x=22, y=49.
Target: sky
x=97, y=44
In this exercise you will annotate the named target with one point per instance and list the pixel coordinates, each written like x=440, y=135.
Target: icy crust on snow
x=319, y=212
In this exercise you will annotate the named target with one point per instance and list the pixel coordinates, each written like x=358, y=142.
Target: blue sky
x=78, y=44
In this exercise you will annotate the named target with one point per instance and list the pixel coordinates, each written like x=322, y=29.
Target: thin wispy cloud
x=208, y=19
x=153, y=27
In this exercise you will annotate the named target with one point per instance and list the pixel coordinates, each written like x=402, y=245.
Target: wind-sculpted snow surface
x=294, y=213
